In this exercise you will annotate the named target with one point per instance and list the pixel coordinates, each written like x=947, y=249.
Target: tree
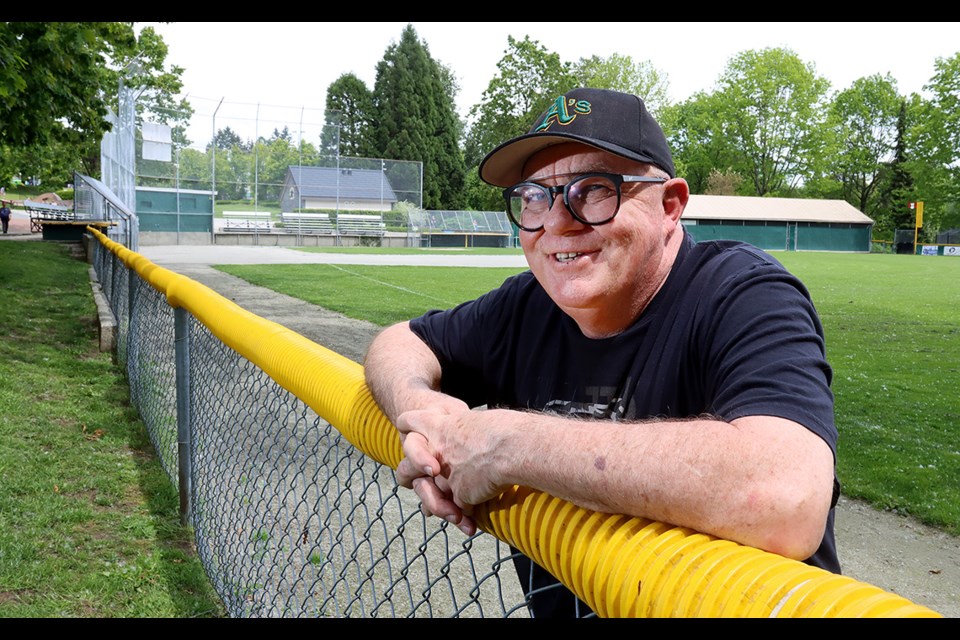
x=933, y=146
x=621, y=73
x=772, y=105
x=59, y=80
x=349, y=112
x=275, y=157
x=700, y=147
x=53, y=76
x=227, y=139
x=864, y=120
x=892, y=210
x=143, y=67
x=723, y=183
x=529, y=79
x=415, y=119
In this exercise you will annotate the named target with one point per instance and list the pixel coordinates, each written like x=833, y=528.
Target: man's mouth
x=567, y=257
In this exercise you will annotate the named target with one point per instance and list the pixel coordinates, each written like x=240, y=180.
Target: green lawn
x=89, y=521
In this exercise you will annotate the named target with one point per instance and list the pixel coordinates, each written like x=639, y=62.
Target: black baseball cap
x=610, y=120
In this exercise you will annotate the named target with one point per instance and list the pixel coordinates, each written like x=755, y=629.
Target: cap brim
x=503, y=167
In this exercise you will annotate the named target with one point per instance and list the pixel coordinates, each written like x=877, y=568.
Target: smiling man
x=631, y=370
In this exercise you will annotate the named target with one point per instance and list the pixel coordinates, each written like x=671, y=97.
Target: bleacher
x=307, y=223
x=247, y=221
x=355, y=224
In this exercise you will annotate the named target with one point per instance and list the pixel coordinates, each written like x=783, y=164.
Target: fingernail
x=452, y=519
x=428, y=470
x=466, y=529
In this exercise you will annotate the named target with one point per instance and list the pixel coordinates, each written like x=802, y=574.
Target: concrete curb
x=107, y=321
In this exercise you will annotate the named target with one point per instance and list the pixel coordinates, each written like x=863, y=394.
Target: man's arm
x=762, y=481
x=403, y=373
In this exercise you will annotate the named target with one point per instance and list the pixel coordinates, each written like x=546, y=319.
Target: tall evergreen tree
x=893, y=211
x=415, y=119
x=349, y=111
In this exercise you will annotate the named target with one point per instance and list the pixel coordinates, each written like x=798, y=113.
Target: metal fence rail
x=285, y=466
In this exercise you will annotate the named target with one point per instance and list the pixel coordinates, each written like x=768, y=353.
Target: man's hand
x=443, y=464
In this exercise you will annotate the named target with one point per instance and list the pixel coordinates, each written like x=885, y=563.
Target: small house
x=336, y=189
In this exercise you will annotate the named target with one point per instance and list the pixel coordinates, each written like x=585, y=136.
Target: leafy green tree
x=53, y=76
x=773, y=107
x=697, y=139
x=143, y=68
x=275, y=157
x=620, y=73
x=933, y=146
x=58, y=80
x=194, y=169
x=415, y=119
x=348, y=123
x=528, y=80
x=864, y=121
x=945, y=102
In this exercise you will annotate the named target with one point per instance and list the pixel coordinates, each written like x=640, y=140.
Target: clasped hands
x=445, y=461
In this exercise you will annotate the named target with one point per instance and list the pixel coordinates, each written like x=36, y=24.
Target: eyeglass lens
x=593, y=199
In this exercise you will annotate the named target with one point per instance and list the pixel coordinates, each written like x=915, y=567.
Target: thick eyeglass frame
x=616, y=178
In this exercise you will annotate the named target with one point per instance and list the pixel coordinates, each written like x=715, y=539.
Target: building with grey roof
x=333, y=189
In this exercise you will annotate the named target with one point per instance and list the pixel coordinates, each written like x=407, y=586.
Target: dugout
x=462, y=229
x=780, y=224
x=466, y=240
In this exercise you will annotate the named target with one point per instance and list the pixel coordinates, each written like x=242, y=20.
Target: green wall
x=159, y=210
x=785, y=236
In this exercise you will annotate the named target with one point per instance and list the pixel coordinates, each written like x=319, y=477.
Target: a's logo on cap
x=563, y=112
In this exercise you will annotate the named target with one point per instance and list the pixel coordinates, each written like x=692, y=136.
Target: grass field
x=892, y=324
x=89, y=521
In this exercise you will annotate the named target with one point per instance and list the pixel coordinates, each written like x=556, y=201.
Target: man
x=630, y=370
x=4, y=216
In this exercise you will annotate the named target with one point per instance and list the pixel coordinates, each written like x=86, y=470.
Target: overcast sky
x=257, y=76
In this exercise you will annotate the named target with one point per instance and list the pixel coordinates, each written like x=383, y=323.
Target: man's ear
x=676, y=193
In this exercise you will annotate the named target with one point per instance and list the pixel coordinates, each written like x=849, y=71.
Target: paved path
x=169, y=256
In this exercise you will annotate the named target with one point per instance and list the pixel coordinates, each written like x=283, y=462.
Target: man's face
x=603, y=276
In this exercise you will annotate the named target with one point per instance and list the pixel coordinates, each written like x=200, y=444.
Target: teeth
x=566, y=257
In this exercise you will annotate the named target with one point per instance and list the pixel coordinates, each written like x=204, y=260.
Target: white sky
x=257, y=76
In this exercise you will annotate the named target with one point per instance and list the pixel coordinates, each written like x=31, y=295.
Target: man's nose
x=559, y=218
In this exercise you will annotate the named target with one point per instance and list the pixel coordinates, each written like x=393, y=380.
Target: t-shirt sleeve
x=469, y=340
x=765, y=351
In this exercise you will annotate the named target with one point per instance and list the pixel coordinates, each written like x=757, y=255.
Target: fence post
x=181, y=341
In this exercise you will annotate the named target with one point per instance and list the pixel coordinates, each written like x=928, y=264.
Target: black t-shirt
x=730, y=334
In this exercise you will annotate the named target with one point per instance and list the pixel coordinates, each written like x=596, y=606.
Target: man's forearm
x=401, y=371
x=760, y=481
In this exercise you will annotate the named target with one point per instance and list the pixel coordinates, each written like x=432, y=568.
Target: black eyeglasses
x=591, y=198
